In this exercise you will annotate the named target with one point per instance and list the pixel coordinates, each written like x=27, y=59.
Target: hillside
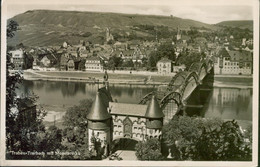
x=47, y=27
x=243, y=24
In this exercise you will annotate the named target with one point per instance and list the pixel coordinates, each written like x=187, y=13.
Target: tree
x=164, y=50
x=188, y=58
x=114, y=62
x=225, y=143
x=25, y=133
x=82, y=64
x=128, y=63
x=205, y=139
x=12, y=79
x=180, y=133
x=75, y=132
x=149, y=150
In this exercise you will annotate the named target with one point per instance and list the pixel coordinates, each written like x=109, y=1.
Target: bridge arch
x=202, y=71
x=191, y=82
x=195, y=66
x=177, y=80
x=147, y=98
x=170, y=105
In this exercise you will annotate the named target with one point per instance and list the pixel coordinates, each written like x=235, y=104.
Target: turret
x=99, y=124
x=154, y=119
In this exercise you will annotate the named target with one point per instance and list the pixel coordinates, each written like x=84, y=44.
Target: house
x=233, y=62
x=200, y=40
x=63, y=62
x=138, y=55
x=120, y=46
x=83, y=53
x=47, y=60
x=250, y=41
x=243, y=41
x=93, y=64
x=17, y=59
x=179, y=68
x=164, y=66
x=180, y=47
x=72, y=50
x=70, y=65
x=65, y=45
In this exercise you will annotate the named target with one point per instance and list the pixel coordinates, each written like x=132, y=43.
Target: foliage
x=187, y=58
x=114, y=62
x=205, y=139
x=75, y=132
x=12, y=79
x=164, y=50
x=11, y=28
x=24, y=128
x=128, y=63
x=225, y=144
x=82, y=64
x=149, y=150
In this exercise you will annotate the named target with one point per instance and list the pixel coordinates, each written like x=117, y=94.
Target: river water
x=57, y=96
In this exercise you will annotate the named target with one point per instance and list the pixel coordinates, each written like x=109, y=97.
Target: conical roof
x=98, y=111
x=153, y=109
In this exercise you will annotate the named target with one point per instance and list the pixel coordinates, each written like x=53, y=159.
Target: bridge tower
x=154, y=119
x=99, y=125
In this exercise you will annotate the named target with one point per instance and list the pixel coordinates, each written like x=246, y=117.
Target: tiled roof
x=222, y=52
x=164, y=60
x=93, y=58
x=127, y=109
x=240, y=56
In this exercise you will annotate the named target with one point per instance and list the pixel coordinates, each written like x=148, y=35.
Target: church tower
x=154, y=119
x=178, y=36
x=99, y=125
x=109, y=36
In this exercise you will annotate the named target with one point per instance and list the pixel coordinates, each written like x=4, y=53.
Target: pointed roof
x=98, y=111
x=153, y=109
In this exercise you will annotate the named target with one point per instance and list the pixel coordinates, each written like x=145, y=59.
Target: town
x=182, y=64
x=232, y=55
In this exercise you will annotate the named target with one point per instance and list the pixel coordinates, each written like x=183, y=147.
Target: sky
x=206, y=11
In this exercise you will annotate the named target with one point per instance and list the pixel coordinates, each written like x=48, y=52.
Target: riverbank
x=235, y=81
x=95, y=77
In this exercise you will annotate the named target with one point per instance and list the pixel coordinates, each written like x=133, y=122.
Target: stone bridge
x=173, y=98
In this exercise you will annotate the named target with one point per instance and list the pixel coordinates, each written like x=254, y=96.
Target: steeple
x=98, y=111
x=153, y=109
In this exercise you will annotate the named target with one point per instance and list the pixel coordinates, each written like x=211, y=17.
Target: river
x=57, y=96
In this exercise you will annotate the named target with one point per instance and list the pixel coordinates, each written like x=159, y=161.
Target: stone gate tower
x=99, y=124
x=154, y=119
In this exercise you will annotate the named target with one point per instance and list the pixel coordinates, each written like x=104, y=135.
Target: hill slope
x=243, y=24
x=47, y=27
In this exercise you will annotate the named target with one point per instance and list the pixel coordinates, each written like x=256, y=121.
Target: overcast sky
x=201, y=11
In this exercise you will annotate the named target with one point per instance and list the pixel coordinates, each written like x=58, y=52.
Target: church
x=108, y=120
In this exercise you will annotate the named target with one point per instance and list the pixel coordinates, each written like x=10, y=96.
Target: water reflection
x=70, y=93
x=226, y=103
x=230, y=103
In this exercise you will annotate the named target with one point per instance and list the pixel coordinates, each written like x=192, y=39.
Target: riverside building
x=234, y=62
